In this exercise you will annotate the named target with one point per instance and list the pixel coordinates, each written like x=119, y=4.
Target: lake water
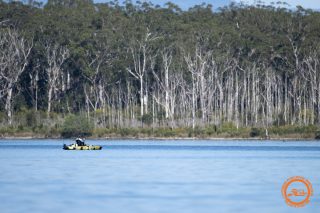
x=130, y=176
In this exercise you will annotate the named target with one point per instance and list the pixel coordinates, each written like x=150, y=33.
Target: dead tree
x=55, y=55
x=14, y=54
x=140, y=52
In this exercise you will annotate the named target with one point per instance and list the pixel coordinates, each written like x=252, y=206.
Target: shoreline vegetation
x=162, y=139
x=73, y=126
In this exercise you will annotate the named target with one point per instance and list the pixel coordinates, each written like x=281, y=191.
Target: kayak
x=85, y=147
x=81, y=145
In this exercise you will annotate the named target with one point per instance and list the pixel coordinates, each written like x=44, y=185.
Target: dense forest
x=102, y=66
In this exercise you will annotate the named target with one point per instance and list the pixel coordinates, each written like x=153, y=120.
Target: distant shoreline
x=224, y=132
x=160, y=138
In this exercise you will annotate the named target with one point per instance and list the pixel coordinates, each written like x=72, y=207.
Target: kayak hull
x=87, y=147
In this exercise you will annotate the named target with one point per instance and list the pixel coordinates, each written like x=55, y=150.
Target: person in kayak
x=80, y=142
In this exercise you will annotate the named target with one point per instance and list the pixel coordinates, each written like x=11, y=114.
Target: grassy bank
x=37, y=125
x=282, y=132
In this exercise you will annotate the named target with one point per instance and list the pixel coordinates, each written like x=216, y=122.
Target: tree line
x=132, y=64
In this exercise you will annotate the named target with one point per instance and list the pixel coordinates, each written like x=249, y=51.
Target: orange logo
x=297, y=191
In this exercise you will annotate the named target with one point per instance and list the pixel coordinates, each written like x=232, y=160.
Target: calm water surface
x=154, y=176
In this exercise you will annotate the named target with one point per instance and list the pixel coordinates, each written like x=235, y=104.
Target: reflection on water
x=154, y=176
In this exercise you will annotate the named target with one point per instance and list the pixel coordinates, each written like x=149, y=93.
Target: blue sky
x=313, y=4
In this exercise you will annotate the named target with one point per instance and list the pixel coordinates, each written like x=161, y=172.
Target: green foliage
x=31, y=118
x=125, y=132
x=255, y=132
x=164, y=132
x=2, y=117
x=211, y=130
x=147, y=119
x=293, y=129
x=101, y=132
x=9, y=130
x=228, y=127
x=76, y=126
x=196, y=132
x=317, y=135
x=101, y=38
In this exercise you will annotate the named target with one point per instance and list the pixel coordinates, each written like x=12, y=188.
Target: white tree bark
x=140, y=52
x=56, y=56
x=14, y=54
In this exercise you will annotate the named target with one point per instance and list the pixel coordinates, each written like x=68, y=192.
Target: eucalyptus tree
x=15, y=50
x=140, y=50
x=56, y=56
x=198, y=65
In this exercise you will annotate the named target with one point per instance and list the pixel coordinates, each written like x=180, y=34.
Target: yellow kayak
x=86, y=147
x=80, y=145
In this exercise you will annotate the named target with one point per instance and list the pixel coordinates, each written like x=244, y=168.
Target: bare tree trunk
x=141, y=97
x=8, y=106
x=141, y=52
x=14, y=54
x=193, y=102
x=49, y=100
x=55, y=56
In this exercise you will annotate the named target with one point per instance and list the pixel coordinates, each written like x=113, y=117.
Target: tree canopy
x=250, y=65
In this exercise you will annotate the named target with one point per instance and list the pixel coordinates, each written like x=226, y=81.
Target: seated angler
x=80, y=142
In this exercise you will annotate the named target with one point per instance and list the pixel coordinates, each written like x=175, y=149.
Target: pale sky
x=313, y=4
x=185, y=4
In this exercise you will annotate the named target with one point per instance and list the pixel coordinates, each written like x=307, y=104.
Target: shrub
x=2, y=117
x=228, y=127
x=164, y=132
x=317, y=136
x=52, y=132
x=31, y=118
x=124, y=132
x=147, y=119
x=255, y=132
x=20, y=128
x=76, y=126
x=100, y=132
x=147, y=131
x=198, y=131
x=210, y=130
x=293, y=129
